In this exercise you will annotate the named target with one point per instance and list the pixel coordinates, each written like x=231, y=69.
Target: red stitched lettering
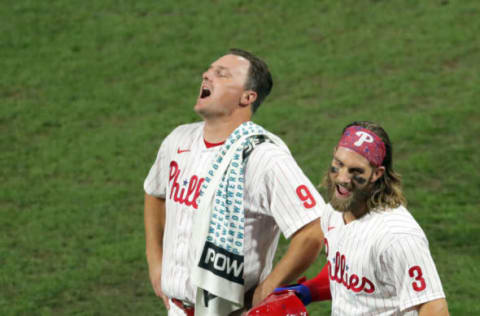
x=371, y=288
x=174, y=172
x=420, y=285
x=180, y=193
x=197, y=193
x=191, y=189
x=354, y=282
x=340, y=275
x=305, y=196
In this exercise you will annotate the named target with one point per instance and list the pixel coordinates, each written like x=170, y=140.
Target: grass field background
x=88, y=90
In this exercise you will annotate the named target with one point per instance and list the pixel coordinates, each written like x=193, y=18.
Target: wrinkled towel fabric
x=218, y=227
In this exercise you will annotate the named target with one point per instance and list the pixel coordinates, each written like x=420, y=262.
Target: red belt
x=188, y=309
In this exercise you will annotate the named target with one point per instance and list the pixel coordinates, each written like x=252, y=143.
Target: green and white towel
x=218, y=230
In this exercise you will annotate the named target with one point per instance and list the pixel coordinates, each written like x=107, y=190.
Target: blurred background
x=88, y=90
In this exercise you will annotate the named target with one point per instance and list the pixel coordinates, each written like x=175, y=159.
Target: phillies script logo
x=340, y=275
x=186, y=193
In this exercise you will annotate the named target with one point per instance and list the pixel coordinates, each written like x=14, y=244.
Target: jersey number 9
x=305, y=196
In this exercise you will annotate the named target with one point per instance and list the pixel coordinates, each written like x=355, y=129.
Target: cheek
x=229, y=93
x=332, y=176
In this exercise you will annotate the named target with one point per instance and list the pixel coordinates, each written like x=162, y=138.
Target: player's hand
x=302, y=292
x=155, y=272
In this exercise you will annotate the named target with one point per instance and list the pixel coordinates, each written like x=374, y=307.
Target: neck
x=350, y=216
x=218, y=129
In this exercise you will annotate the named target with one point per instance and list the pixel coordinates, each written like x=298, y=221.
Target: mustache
x=357, y=199
x=331, y=186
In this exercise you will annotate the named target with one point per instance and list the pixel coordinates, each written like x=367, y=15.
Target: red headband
x=365, y=142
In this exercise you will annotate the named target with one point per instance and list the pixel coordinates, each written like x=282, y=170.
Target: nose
x=344, y=176
x=206, y=74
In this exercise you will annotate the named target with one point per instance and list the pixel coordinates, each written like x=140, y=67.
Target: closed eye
x=356, y=170
x=221, y=72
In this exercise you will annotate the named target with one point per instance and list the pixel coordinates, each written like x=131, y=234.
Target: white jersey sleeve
x=408, y=264
x=284, y=191
x=155, y=183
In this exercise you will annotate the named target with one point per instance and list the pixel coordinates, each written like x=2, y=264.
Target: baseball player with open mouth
x=378, y=258
x=218, y=196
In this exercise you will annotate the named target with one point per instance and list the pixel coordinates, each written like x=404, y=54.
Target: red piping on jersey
x=210, y=145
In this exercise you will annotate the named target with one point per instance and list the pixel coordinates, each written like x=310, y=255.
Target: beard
x=356, y=203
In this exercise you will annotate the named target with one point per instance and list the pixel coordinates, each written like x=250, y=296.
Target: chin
x=200, y=109
x=341, y=205
x=338, y=203
x=197, y=109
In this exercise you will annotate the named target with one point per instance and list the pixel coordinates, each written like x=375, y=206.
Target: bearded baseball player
x=378, y=259
x=218, y=195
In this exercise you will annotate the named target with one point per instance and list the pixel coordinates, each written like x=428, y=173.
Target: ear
x=247, y=98
x=378, y=173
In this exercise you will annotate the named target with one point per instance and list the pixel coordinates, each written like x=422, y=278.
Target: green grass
x=88, y=89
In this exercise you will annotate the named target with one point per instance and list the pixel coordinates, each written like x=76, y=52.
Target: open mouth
x=205, y=93
x=342, y=191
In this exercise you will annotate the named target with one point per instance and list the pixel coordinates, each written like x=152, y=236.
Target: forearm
x=437, y=307
x=302, y=252
x=154, y=219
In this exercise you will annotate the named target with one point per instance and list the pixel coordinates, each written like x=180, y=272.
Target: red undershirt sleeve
x=319, y=286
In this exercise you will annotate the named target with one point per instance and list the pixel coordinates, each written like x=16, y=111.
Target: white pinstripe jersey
x=278, y=197
x=379, y=264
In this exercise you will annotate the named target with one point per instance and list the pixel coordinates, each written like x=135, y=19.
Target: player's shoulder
x=399, y=232
x=184, y=135
x=266, y=148
x=270, y=148
x=267, y=157
x=397, y=223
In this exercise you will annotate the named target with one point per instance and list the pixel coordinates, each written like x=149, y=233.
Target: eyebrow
x=352, y=169
x=338, y=160
x=219, y=67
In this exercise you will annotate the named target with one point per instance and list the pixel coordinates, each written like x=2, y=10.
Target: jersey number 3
x=419, y=284
x=305, y=196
